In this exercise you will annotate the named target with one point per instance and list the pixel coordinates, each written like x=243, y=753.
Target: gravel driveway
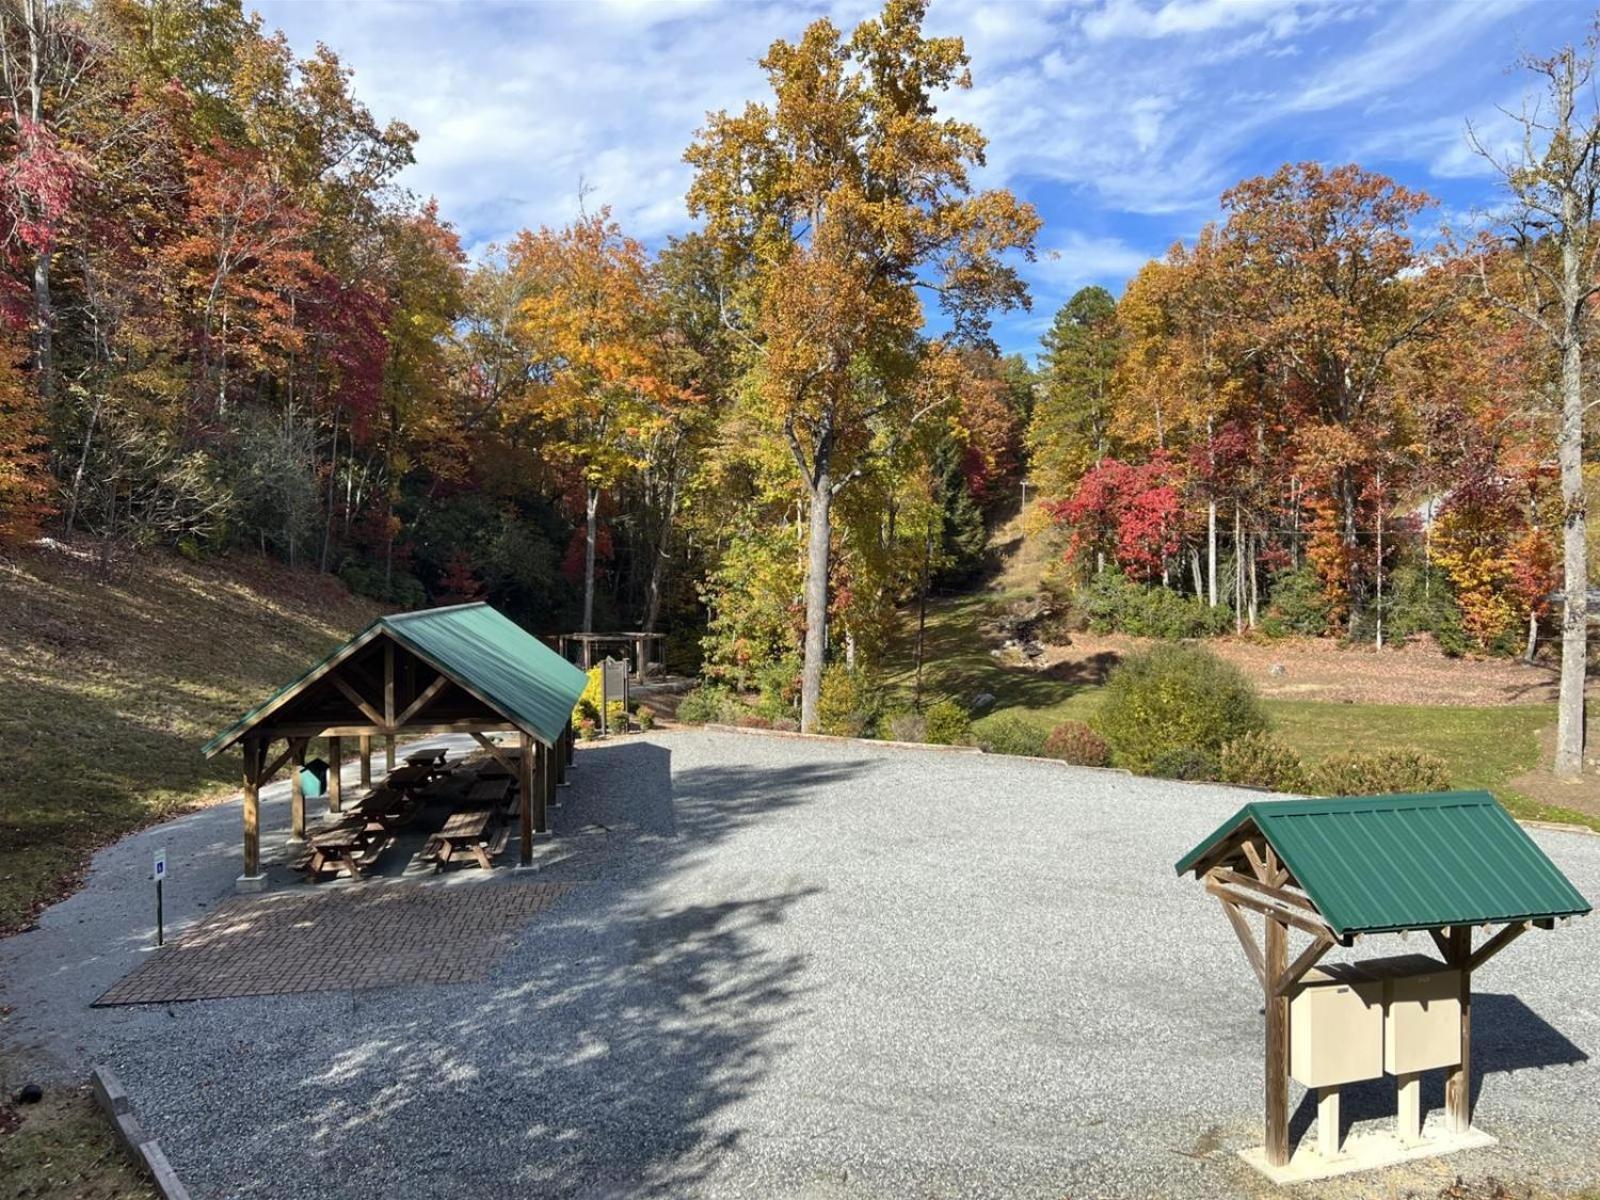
x=791, y=968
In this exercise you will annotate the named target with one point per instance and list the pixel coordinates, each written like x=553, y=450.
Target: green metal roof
x=1380, y=863
x=480, y=649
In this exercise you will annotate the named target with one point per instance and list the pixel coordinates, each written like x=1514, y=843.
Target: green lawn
x=1485, y=747
x=112, y=684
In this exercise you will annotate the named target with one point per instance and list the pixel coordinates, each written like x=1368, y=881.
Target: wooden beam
x=1458, y=1079
x=1441, y=942
x=552, y=760
x=525, y=788
x=510, y=764
x=335, y=774
x=541, y=816
x=1247, y=939
x=313, y=729
x=388, y=753
x=1277, y=1006
x=252, y=806
x=1309, y=957
x=388, y=685
x=366, y=759
x=268, y=771
x=421, y=702
x=1281, y=895
x=1497, y=943
x=1281, y=912
x=297, y=791
x=356, y=698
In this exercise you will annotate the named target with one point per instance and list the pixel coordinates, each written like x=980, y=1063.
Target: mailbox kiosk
x=1335, y=870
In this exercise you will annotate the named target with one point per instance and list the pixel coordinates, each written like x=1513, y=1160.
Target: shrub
x=848, y=703
x=947, y=724
x=779, y=685
x=588, y=705
x=1298, y=604
x=1262, y=761
x=1111, y=603
x=1379, y=773
x=905, y=727
x=1418, y=600
x=1012, y=735
x=707, y=703
x=587, y=730
x=752, y=720
x=645, y=718
x=617, y=717
x=1184, y=762
x=1074, y=742
x=1175, y=698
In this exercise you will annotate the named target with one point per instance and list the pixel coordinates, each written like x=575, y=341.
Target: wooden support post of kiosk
x=297, y=790
x=1276, y=961
x=1458, y=1082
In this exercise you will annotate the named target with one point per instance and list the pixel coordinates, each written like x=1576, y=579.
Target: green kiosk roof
x=478, y=648
x=1374, y=864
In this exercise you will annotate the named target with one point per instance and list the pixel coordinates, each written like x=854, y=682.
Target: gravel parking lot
x=790, y=968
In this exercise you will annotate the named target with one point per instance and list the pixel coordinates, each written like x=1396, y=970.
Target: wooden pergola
x=461, y=669
x=1451, y=865
x=639, y=646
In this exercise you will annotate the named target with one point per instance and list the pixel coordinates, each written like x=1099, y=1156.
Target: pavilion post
x=1276, y=961
x=1458, y=1082
x=552, y=771
x=335, y=774
x=297, y=790
x=525, y=791
x=388, y=752
x=366, y=760
x=571, y=743
x=388, y=704
x=252, y=807
x=562, y=754
x=541, y=816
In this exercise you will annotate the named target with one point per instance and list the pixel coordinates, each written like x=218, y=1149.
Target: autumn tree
x=838, y=201
x=1070, y=428
x=1553, y=189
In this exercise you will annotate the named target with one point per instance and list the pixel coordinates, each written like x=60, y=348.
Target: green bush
x=1112, y=603
x=1260, y=760
x=1418, y=601
x=1184, y=762
x=903, y=726
x=707, y=704
x=588, y=705
x=645, y=718
x=617, y=717
x=848, y=703
x=587, y=730
x=1012, y=735
x=1380, y=773
x=1171, y=698
x=1298, y=604
x=1074, y=742
x=947, y=724
x=779, y=685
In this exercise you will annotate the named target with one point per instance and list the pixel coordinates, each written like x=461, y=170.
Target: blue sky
x=1122, y=121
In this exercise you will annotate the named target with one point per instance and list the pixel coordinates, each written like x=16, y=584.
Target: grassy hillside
x=1494, y=746
x=111, y=682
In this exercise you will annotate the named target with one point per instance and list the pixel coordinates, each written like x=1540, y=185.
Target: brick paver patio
x=309, y=941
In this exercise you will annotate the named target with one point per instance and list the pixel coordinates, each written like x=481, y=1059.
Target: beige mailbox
x=1422, y=1006
x=1336, y=1027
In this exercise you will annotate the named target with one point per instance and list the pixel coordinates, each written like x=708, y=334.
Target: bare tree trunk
x=1575, y=556
x=1378, y=591
x=591, y=527
x=333, y=475
x=1211, y=551
x=817, y=550
x=922, y=614
x=658, y=570
x=1238, y=570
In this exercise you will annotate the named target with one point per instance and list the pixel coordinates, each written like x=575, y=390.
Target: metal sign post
x=159, y=874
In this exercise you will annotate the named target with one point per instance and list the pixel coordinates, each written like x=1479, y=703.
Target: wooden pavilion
x=461, y=669
x=1337, y=870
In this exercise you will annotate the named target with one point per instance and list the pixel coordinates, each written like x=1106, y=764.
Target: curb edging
x=114, y=1101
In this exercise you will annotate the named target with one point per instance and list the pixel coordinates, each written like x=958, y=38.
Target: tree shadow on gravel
x=603, y=1055
x=1507, y=1036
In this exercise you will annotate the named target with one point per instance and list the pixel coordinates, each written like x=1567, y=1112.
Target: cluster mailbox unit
x=1345, y=868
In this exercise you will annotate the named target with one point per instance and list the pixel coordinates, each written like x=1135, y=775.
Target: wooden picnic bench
x=351, y=847
x=411, y=778
x=496, y=791
x=388, y=808
x=468, y=831
x=424, y=758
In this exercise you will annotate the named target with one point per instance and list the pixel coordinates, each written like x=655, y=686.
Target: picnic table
x=495, y=791
x=412, y=778
x=389, y=808
x=467, y=832
x=424, y=758
x=350, y=847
